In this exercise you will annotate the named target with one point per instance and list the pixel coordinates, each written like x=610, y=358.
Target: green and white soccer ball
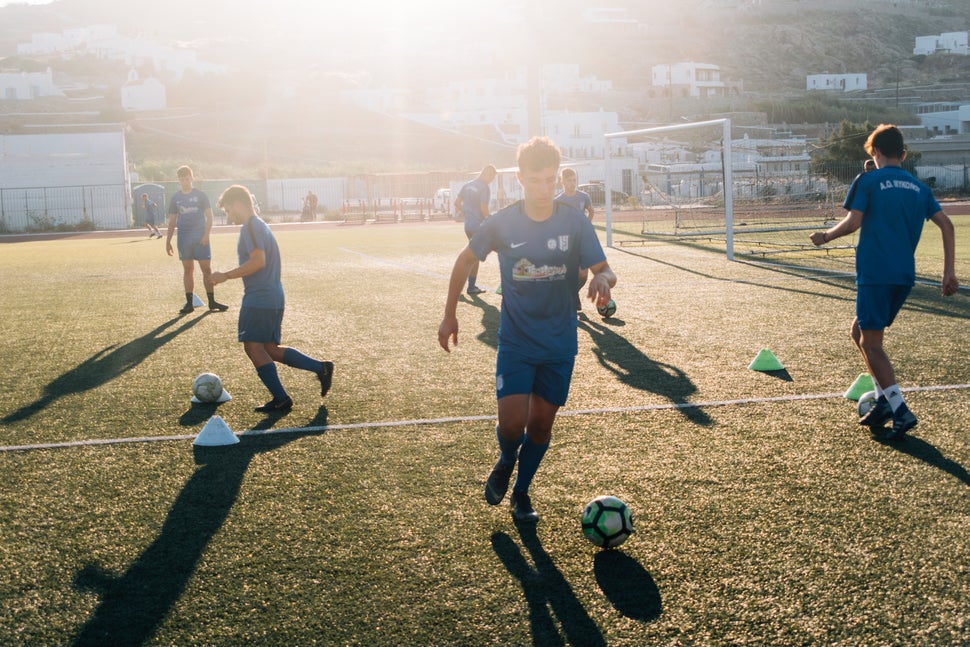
x=608, y=309
x=866, y=402
x=607, y=521
x=207, y=387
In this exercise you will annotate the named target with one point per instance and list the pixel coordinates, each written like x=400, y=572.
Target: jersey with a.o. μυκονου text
x=894, y=206
x=540, y=263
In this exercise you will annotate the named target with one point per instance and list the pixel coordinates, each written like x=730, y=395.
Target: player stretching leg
x=888, y=207
x=261, y=312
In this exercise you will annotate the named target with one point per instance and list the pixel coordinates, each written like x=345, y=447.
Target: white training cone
x=215, y=433
x=223, y=397
x=197, y=301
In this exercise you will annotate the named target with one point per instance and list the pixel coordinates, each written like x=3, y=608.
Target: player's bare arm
x=851, y=222
x=950, y=284
x=600, y=285
x=255, y=262
x=448, y=330
x=208, y=227
x=171, y=231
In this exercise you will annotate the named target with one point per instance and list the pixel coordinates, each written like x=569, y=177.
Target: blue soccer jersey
x=263, y=288
x=190, y=208
x=473, y=195
x=894, y=205
x=580, y=200
x=539, y=263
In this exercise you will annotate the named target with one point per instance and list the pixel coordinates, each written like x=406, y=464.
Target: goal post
x=725, y=166
x=724, y=187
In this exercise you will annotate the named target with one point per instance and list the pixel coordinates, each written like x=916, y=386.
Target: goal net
x=749, y=197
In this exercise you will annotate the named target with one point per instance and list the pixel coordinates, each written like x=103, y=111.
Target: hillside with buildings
x=317, y=93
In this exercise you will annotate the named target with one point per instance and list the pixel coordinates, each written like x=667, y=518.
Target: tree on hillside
x=842, y=153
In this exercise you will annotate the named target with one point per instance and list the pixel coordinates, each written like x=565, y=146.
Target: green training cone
x=862, y=384
x=765, y=361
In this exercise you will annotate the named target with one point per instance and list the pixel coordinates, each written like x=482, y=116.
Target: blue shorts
x=876, y=306
x=515, y=375
x=260, y=325
x=191, y=249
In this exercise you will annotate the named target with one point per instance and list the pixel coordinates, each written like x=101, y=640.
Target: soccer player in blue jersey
x=151, y=215
x=889, y=207
x=542, y=245
x=580, y=199
x=190, y=213
x=261, y=312
x=472, y=204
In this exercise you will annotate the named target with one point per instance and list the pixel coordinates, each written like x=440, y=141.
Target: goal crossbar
x=726, y=158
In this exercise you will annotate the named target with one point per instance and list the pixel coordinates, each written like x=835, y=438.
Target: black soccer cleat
x=325, y=375
x=188, y=308
x=275, y=406
x=878, y=414
x=473, y=290
x=522, y=510
x=903, y=421
x=497, y=483
x=215, y=306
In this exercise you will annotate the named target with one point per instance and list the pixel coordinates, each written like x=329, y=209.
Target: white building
x=953, y=42
x=103, y=41
x=581, y=135
x=690, y=79
x=22, y=86
x=498, y=108
x=64, y=179
x=944, y=118
x=837, y=82
x=147, y=94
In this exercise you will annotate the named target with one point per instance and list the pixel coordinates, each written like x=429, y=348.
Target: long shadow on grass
x=134, y=604
x=923, y=298
x=547, y=592
x=104, y=366
x=627, y=585
x=490, y=320
x=633, y=368
x=919, y=448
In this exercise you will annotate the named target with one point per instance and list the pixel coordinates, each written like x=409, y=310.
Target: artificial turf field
x=763, y=513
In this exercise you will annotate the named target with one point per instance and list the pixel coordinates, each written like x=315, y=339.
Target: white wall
x=64, y=178
x=837, y=82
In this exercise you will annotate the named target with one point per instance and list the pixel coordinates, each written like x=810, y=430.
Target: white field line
x=463, y=419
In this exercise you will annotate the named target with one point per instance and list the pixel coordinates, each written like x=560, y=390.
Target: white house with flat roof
x=22, y=86
x=691, y=79
x=837, y=82
x=952, y=42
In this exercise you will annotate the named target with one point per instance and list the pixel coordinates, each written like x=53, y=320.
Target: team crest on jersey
x=562, y=244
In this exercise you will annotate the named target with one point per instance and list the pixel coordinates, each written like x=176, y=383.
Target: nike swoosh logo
x=515, y=245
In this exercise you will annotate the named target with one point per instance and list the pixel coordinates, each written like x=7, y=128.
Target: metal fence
x=106, y=206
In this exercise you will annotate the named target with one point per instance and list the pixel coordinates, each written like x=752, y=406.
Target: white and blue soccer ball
x=607, y=310
x=866, y=402
x=207, y=387
x=607, y=521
